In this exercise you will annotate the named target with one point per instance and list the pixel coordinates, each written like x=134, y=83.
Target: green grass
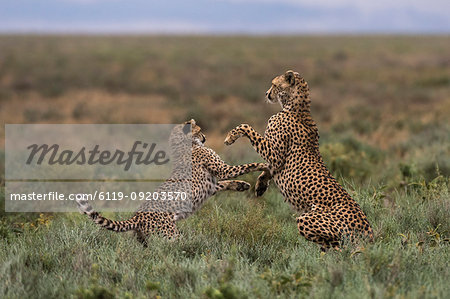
x=382, y=106
x=237, y=246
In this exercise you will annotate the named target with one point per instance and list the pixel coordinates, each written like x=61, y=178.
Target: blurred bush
x=351, y=159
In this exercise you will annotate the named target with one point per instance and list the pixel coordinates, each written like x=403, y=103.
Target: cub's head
x=187, y=133
x=290, y=90
x=190, y=128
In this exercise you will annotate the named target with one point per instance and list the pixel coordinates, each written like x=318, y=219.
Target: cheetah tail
x=119, y=226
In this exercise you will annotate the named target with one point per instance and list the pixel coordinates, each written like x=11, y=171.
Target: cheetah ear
x=290, y=77
x=187, y=128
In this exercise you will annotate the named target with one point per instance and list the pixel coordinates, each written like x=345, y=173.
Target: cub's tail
x=118, y=226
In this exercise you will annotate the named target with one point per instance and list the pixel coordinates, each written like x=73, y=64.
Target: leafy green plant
x=298, y=282
x=95, y=290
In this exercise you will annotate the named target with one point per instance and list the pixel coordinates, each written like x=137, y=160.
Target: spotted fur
x=328, y=215
x=210, y=174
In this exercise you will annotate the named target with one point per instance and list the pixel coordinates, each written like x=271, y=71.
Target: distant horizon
x=224, y=34
x=225, y=17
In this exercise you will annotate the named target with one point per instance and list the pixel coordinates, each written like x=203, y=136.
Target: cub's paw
x=241, y=186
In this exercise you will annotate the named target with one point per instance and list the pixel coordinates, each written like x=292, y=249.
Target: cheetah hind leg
x=167, y=229
x=142, y=237
x=320, y=228
x=262, y=183
x=233, y=185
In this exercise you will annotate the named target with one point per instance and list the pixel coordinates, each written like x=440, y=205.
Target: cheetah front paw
x=261, y=187
x=242, y=186
x=262, y=183
x=232, y=136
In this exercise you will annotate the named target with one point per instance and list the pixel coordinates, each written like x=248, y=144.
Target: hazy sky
x=226, y=16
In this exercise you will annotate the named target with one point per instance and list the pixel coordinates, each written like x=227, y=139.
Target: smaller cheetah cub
x=210, y=174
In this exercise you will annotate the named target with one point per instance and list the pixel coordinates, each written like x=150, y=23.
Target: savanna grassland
x=382, y=105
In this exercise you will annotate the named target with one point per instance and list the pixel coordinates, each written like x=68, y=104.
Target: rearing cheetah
x=328, y=214
x=209, y=175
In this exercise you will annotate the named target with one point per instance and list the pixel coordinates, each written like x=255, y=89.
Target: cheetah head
x=290, y=90
x=185, y=132
x=195, y=131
